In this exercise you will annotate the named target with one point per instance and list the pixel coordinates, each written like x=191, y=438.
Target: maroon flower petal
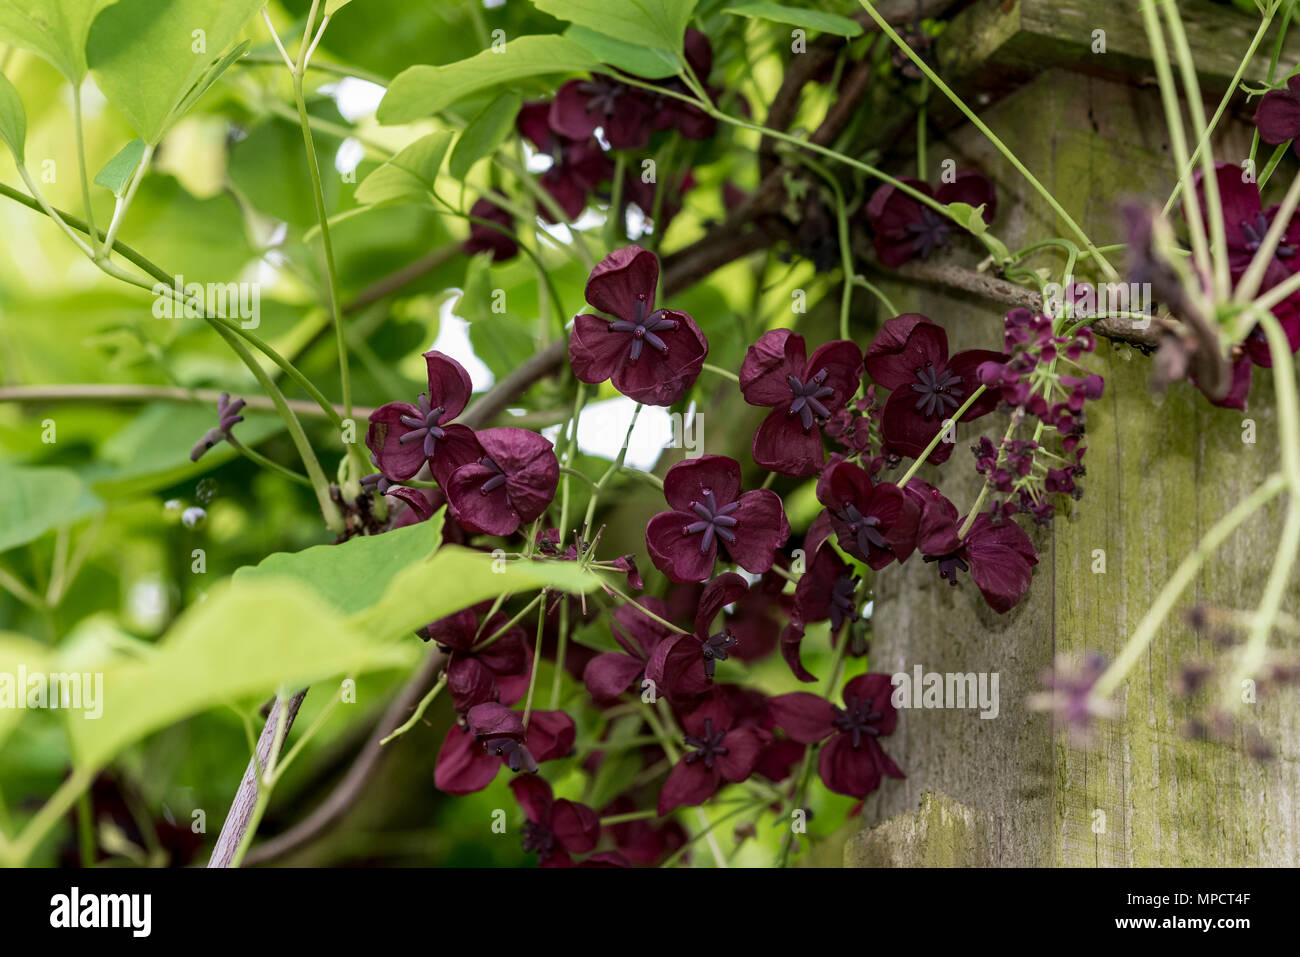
x=781, y=444
x=688, y=480
x=907, y=432
x=529, y=464
x=595, y=352
x=845, y=770
x=575, y=825
x=550, y=735
x=803, y=716
x=743, y=747
x=688, y=784
x=675, y=553
x=1001, y=558
x=723, y=590
x=635, y=631
x=661, y=378
x=620, y=279
x=903, y=345
x=495, y=720
x=879, y=689
x=1278, y=116
x=841, y=360
x=776, y=355
x=397, y=460
x=534, y=796
x=449, y=385
x=791, y=648
x=761, y=528
x=677, y=668
x=609, y=675
x=487, y=512
x=463, y=766
x=470, y=683
x=533, y=122
x=964, y=364
x=457, y=447
x=569, y=113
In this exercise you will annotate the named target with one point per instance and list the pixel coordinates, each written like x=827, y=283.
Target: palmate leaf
x=149, y=56
x=409, y=176
x=657, y=24
x=13, y=119
x=53, y=29
x=423, y=90
x=485, y=133
x=35, y=500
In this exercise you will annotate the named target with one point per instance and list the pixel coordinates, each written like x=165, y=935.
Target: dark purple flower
x=1278, y=115
x=903, y=228
x=998, y=556
x=494, y=735
x=227, y=416
x=720, y=749
x=577, y=167
x=710, y=514
x=512, y=482
x=910, y=356
x=803, y=394
x=826, y=592
x=651, y=355
x=484, y=238
x=498, y=672
x=621, y=111
x=555, y=829
x=682, y=666
x=610, y=674
x=403, y=437
x=875, y=523
x=852, y=762
x=640, y=841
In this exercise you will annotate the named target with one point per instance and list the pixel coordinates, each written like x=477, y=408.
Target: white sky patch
x=355, y=98
x=453, y=340
x=868, y=608
x=349, y=156
x=604, y=424
x=493, y=4
x=534, y=161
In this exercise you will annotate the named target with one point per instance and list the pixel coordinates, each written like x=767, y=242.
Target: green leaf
x=53, y=29
x=408, y=176
x=630, y=57
x=645, y=23
x=423, y=90
x=35, y=500
x=334, y=6
x=456, y=578
x=149, y=55
x=13, y=119
x=233, y=644
x=485, y=133
x=808, y=19
x=972, y=218
x=117, y=172
x=16, y=651
x=353, y=575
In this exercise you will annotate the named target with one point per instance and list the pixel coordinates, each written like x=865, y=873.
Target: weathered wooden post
x=1161, y=469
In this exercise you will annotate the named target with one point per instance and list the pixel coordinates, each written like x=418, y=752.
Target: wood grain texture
x=1161, y=469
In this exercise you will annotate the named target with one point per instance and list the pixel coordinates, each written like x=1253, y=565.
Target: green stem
x=537, y=659
x=257, y=458
x=420, y=709
x=718, y=370
x=81, y=163
x=934, y=443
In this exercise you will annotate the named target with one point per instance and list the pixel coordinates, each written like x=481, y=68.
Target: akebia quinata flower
x=1278, y=115
x=610, y=674
x=651, y=355
x=620, y=111
x=910, y=356
x=511, y=482
x=484, y=238
x=904, y=228
x=719, y=749
x=803, y=394
x=875, y=523
x=710, y=518
x=492, y=736
x=555, y=828
x=684, y=665
x=404, y=437
x=852, y=762
x=496, y=672
x=577, y=167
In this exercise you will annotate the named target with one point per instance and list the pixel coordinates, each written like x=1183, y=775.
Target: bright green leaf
x=13, y=119
x=408, y=176
x=630, y=57
x=353, y=575
x=117, y=172
x=334, y=6
x=423, y=90
x=456, y=578
x=148, y=55
x=35, y=500
x=647, y=23
x=235, y=643
x=798, y=17
x=484, y=133
x=53, y=29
